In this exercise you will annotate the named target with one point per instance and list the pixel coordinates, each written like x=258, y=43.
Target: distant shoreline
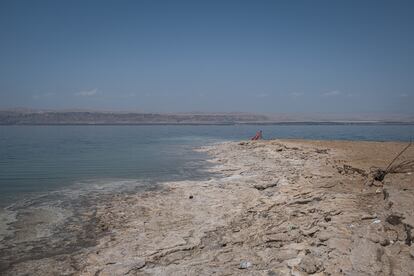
x=209, y=124
x=15, y=117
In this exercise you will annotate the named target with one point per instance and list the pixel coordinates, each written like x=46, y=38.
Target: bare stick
x=387, y=169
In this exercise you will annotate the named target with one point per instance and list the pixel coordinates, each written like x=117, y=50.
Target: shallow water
x=37, y=159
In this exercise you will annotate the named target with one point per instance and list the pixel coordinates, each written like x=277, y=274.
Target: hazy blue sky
x=167, y=56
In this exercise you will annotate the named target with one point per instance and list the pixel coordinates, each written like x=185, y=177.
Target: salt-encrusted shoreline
x=280, y=207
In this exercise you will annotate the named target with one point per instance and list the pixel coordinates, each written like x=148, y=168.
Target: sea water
x=37, y=159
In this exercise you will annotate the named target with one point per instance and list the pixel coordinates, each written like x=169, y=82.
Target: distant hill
x=50, y=117
x=98, y=118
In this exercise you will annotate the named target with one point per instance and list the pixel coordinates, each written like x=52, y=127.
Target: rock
x=293, y=262
x=339, y=244
x=263, y=186
x=324, y=236
x=271, y=273
x=305, y=201
x=384, y=242
x=377, y=183
x=368, y=216
x=368, y=258
x=377, y=238
x=369, y=182
x=278, y=271
x=279, y=237
x=245, y=264
x=310, y=232
x=385, y=194
x=123, y=268
x=389, y=205
x=392, y=235
x=190, y=197
x=285, y=254
x=347, y=169
x=394, y=249
x=393, y=219
x=310, y=264
x=296, y=272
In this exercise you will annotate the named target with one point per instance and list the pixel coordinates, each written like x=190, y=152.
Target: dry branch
x=402, y=167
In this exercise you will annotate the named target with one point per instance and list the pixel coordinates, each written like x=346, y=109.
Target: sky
x=208, y=56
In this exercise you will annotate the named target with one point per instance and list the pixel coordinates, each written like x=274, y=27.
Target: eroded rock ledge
x=279, y=207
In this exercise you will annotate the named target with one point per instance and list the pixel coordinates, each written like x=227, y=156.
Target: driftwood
x=401, y=167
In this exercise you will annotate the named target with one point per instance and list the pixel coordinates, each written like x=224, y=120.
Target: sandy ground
x=281, y=207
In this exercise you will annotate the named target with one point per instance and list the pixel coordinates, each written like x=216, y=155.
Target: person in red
x=258, y=135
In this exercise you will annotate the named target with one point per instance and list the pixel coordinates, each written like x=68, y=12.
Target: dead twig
x=403, y=166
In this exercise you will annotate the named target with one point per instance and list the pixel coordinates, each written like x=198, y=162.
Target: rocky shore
x=280, y=207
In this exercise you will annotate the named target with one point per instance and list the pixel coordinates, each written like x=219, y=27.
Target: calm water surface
x=36, y=159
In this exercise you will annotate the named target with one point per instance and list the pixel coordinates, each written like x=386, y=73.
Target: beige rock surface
x=281, y=207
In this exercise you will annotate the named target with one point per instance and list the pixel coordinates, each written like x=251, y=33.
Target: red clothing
x=258, y=136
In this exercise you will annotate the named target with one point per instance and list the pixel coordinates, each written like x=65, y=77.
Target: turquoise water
x=36, y=159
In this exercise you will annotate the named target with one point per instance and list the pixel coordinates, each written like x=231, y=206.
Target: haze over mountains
x=87, y=117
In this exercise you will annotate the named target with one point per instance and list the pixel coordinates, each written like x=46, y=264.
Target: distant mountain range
x=82, y=117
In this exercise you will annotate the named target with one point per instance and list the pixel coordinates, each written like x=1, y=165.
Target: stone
x=310, y=264
x=286, y=254
x=296, y=272
x=369, y=216
x=310, y=232
x=324, y=236
x=245, y=264
x=280, y=237
x=342, y=245
x=394, y=219
x=123, y=268
x=366, y=257
x=263, y=185
x=293, y=262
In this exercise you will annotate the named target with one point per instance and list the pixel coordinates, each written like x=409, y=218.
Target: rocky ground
x=281, y=207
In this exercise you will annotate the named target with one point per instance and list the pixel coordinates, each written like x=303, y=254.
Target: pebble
x=324, y=236
x=245, y=264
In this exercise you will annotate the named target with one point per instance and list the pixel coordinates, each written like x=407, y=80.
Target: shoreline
x=258, y=123
x=276, y=206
